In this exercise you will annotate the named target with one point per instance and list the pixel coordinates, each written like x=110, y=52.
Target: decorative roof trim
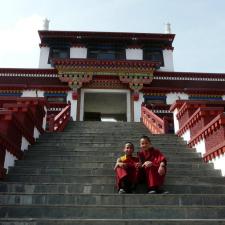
x=17, y=72
x=94, y=62
x=181, y=75
x=189, y=78
x=112, y=35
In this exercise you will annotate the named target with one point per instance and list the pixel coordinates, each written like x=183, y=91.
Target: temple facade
x=111, y=76
x=108, y=76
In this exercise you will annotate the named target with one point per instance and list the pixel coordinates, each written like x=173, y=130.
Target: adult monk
x=127, y=170
x=154, y=166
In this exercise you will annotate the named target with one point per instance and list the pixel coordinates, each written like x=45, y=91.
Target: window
x=153, y=55
x=55, y=97
x=58, y=52
x=106, y=52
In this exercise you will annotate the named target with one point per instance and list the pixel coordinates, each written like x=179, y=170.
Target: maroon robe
x=130, y=172
x=153, y=178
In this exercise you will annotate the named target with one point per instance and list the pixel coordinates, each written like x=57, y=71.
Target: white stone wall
x=200, y=147
x=32, y=93
x=137, y=108
x=9, y=160
x=25, y=143
x=175, y=121
x=172, y=97
x=77, y=52
x=187, y=136
x=219, y=163
x=73, y=110
x=134, y=54
x=168, y=61
x=43, y=60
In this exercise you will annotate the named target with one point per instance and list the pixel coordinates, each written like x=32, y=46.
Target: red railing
x=154, y=123
x=203, y=123
x=59, y=122
x=18, y=120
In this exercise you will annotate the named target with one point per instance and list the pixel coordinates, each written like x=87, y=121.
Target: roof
x=83, y=37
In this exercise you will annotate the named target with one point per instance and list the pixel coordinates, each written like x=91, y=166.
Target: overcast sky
x=199, y=26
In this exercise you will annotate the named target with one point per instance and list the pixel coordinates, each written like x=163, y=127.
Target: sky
x=199, y=25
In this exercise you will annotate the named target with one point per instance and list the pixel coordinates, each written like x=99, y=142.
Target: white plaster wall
x=175, y=121
x=76, y=52
x=73, y=111
x=9, y=160
x=137, y=108
x=134, y=54
x=168, y=60
x=200, y=147
x=112, y=91
x=172, y=97
x=44, y=123
x=219, y=163
x=187, y=136
x=32, y=93
x=36, y=133
x=25, y=144
x=43, y=60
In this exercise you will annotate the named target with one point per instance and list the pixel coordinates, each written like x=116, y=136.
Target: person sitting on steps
x=127, y=170
x=154, y=166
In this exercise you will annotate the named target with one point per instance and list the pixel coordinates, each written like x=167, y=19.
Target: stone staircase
x=67, y=178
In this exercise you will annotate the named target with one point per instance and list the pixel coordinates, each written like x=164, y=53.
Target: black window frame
x=147, y=52
x=100, y=52
x=52, y=55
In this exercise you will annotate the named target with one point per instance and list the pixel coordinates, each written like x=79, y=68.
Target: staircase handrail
x=195, y=117
x=209, y=128
x=153, y=122
x=59, y=122
x=214, y=152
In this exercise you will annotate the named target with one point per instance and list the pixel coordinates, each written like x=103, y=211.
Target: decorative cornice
x=73, y=35
x=215, y=152
x=208, y=129
x=77, y=71
x=17, y=72
x=167, y=75
x=111, y=67
x=198, y=114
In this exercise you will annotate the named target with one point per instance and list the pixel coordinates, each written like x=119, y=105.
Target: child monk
x=154, y=166
x=127, y=170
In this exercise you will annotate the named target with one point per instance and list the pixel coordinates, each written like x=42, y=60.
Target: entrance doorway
x=105, y=105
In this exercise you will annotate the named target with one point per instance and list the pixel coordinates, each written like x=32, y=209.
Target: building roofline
x=28, y=71
x=106, y=35
x=188, y=74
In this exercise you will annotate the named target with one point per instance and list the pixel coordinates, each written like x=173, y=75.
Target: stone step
x=101, y=164
x=43, y=148
x=107, y=171
x=48, y=221
x=119, y=135
x=90, y=152
x=65, y=188
x=68, y=178
x=91, y=158
x=100, y=146
x=112, y=199
x=109, y=179
x=75, y=159
x=113, y=212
